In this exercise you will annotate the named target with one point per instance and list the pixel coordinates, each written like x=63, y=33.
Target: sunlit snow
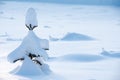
x=68, y=60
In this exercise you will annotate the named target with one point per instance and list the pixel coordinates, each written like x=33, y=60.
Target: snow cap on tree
x=31, y=19
x=30, y=44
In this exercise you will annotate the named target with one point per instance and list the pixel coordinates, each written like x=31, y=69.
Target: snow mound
x=72, y=37
x=75, y=37
x=113, y=54
x=78, y=58
x=31, y=18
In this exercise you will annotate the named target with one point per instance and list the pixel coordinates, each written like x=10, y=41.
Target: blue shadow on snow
x=78, y=58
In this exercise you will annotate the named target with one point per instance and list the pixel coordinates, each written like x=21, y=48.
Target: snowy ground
x=69, y=60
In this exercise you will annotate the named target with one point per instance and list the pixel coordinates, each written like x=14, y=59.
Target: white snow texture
x=69, y=60
x=30, y=68
x=30, y=44
x=31, y=17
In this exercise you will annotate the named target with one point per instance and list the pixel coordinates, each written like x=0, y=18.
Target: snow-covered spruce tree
x=31, y=51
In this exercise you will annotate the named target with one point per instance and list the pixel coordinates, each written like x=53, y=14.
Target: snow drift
x=78, y=58
x=75, y=37
x=72, y=37
x=113, y=54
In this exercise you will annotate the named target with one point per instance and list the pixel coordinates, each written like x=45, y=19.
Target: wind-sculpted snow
x=67, y=58
x=113, y=54
x=86, y=57
x=81, y=57
x=75, y=37
x=78, y=58
x=72, y=37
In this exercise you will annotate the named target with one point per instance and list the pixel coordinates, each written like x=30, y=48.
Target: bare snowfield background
x=69, y=60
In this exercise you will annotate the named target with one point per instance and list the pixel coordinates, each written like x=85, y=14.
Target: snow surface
x=4, y=35
x=100, y=22
x=53, y=39
x=13, y=39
